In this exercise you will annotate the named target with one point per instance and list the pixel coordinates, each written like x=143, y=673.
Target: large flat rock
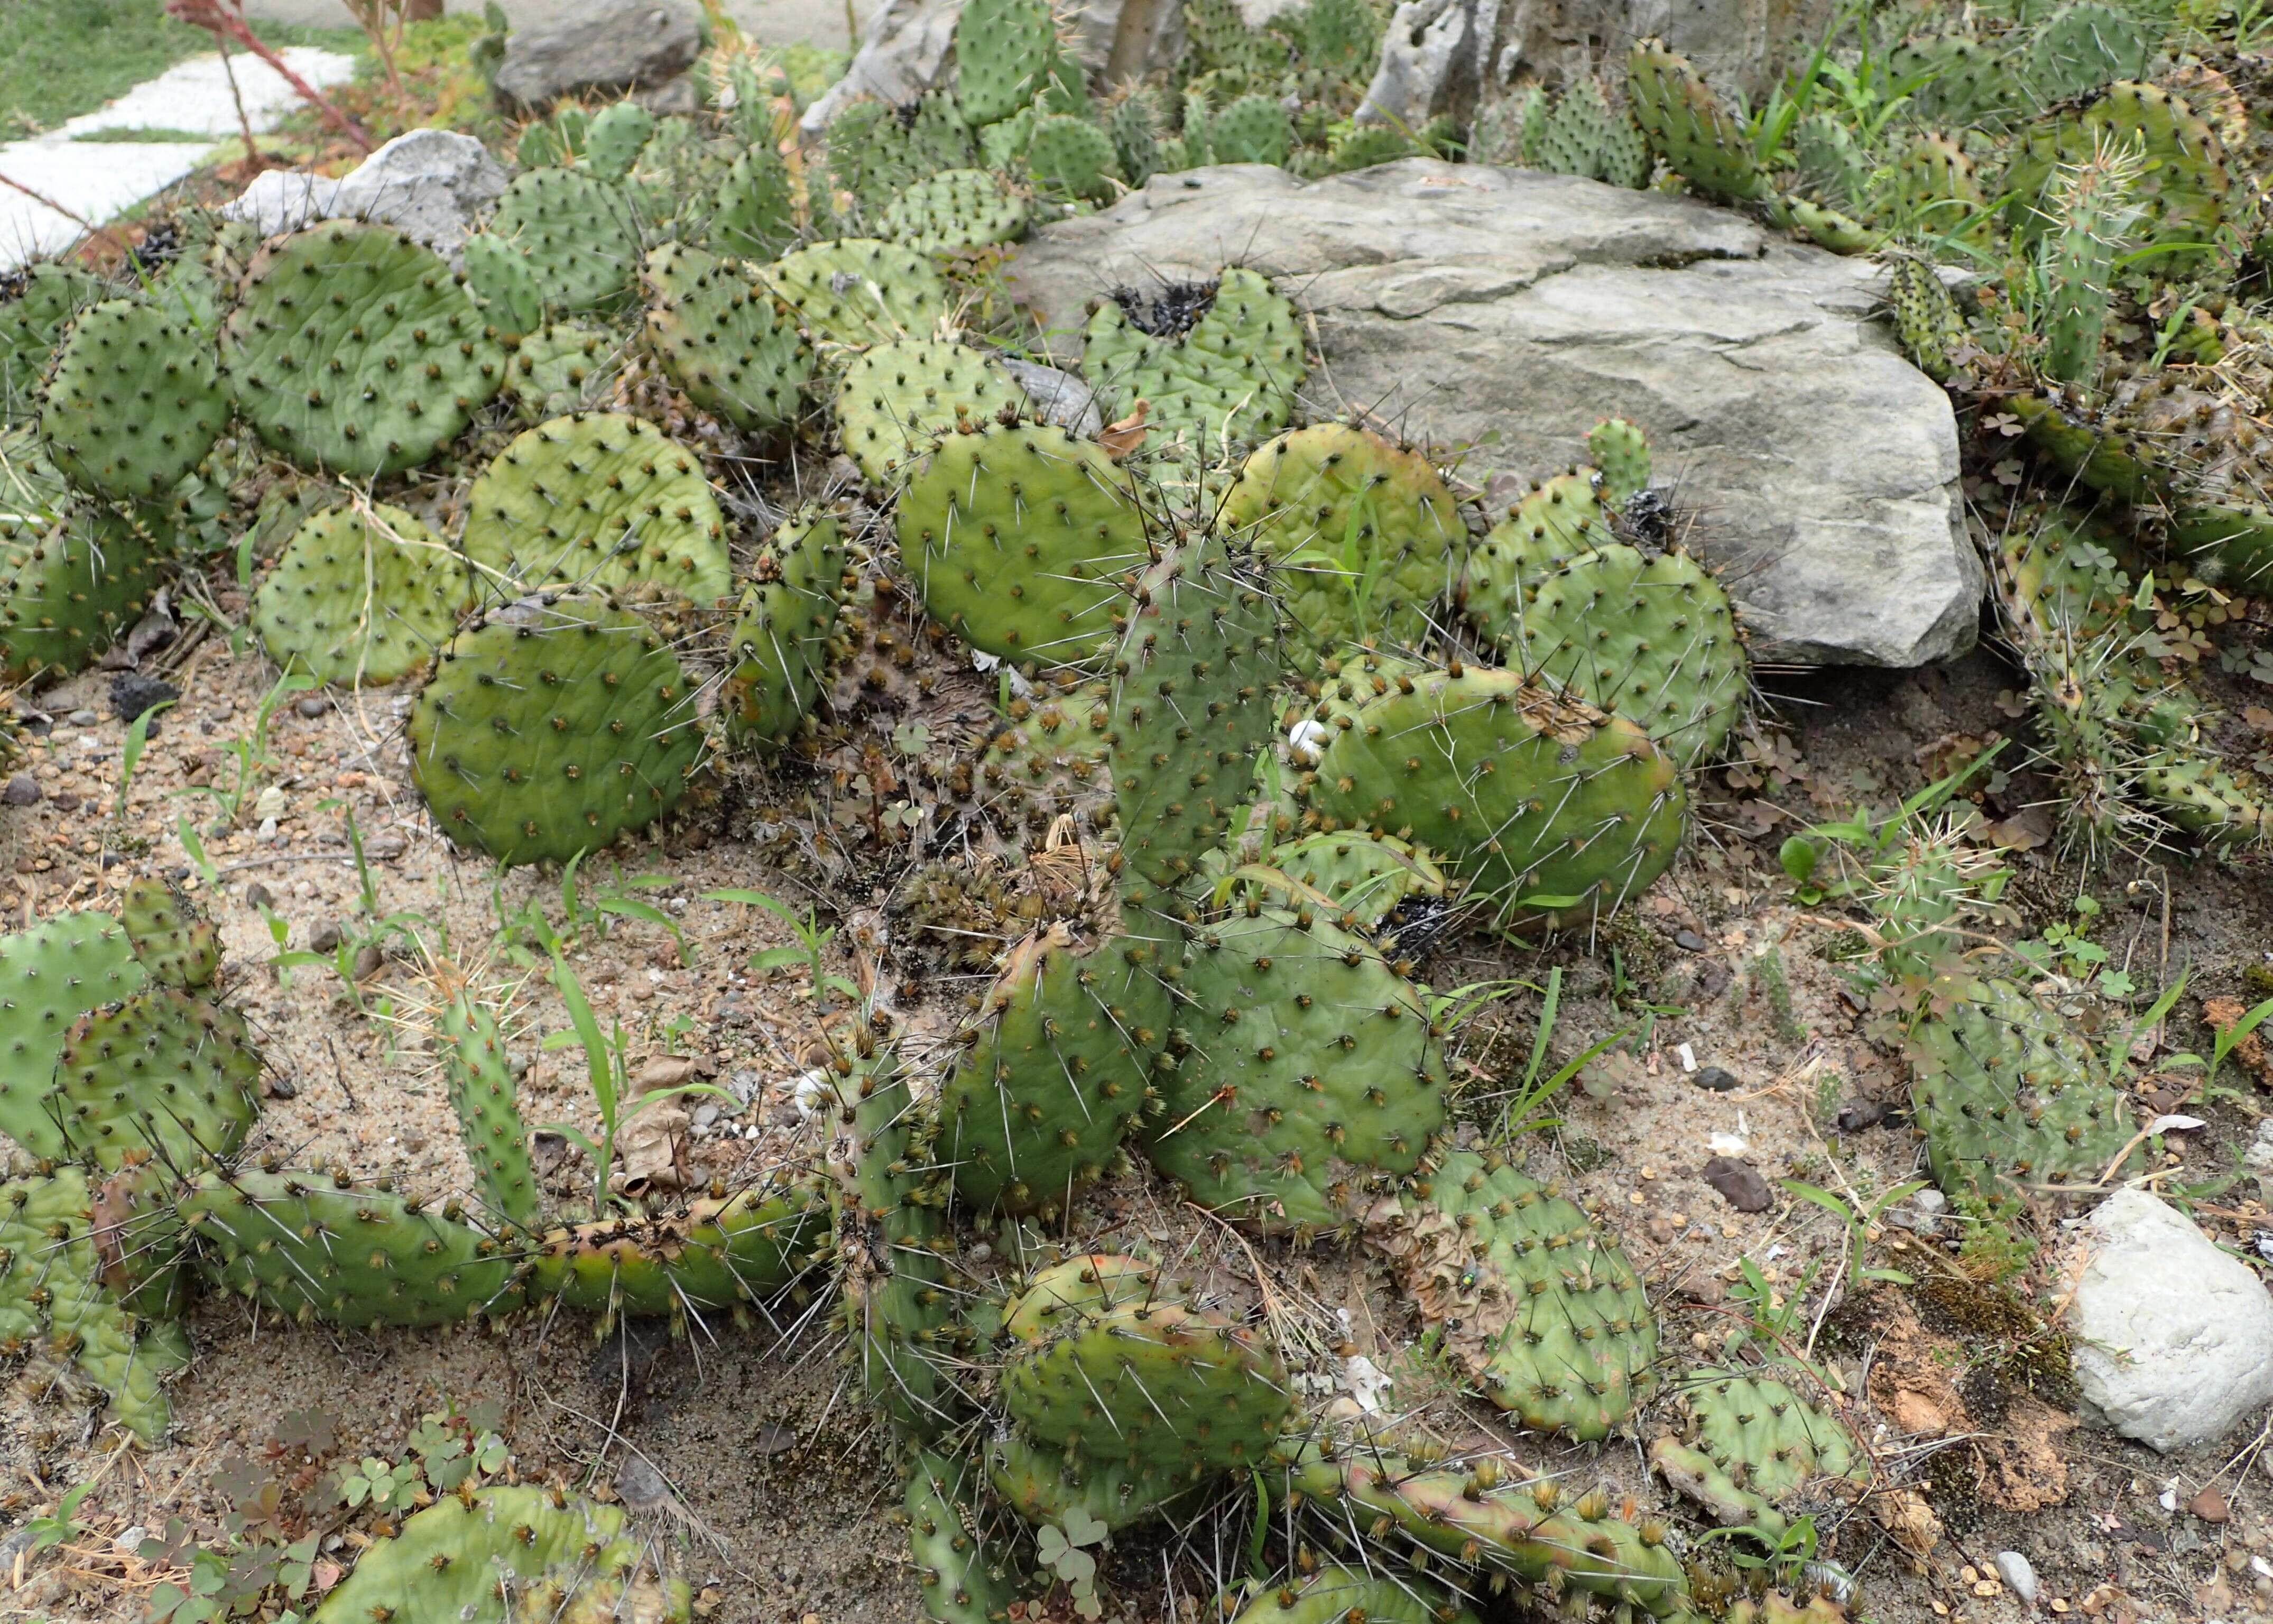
x=1509, y=310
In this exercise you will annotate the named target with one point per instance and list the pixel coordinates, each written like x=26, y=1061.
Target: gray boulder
x=605, y=45
x=433, y=183
x=2173, y=1338
x=1456, y=302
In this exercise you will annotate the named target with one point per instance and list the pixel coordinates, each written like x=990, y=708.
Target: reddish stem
x=222, y=22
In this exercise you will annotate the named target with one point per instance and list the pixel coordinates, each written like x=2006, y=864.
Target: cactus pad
x=723, y=339
x=1227, y=381
x=361, y=596
x=50, y=976
x=175, y=943
x=578, y=233
x=67, y=593
x=1004, y=51
x=954, y=210
x=781, y=637
x=1688, y=126
x=598, y=499
x=132, y=402
x=548, y=729
x=1751, y=1446
x=483, y=1096
x=564, y=368
x=1335, y=1595
x=166, y=1074
x=354, y=348
x=898, y=398
x=858, y=290
x=966, y=1578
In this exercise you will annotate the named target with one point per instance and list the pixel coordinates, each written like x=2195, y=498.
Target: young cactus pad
x=1751, y=1448
x=1365, y=537
x=1549, y=809
x=1538, y=1304
x=68, y=592
x=354, y=348
x=859, y=290
x=548, y=729
x=899, y=399
x=723, y=338
x=1335, y=1595
x=361, y=596
x=484, y=1097
x=955, y=210
x=578, y=234
x=132, y=403
x=781, y=636
x=165, y=1073
x=599, y=500
x=1017, y=536
x=1314, y=1075
x=1227, y=381
x=50, y=976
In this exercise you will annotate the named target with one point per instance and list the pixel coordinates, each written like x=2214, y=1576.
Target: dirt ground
x=779, y=1490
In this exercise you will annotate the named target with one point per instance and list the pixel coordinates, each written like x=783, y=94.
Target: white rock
x=2019, y=1576
x=433, y=183
x=2173, y=1338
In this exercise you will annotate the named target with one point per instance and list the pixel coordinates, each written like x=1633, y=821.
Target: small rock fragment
x=1740, y=1185
x=2019, y=1576
x=1690, y=941
x=132, y=693
x=2210, y=1505
x=84, y=718
x=23, y=791
x=258, y=896
x=1719, y=1079
x=326, y=938
x=313, y=706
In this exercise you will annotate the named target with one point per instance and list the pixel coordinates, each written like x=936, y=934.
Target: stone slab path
x=101, y=179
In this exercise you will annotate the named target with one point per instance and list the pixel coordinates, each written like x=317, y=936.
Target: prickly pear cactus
x=781, y=637
x=1198, y=656
x=1333, y=1594
x=1689, y=127
x=1620, y=454
x=1314, y=1075
x=361, y=595
x=1648, y=639
x=312, y=1246
x=1751, y=1447
x=1045, y=758
x=1559, y=520
x=32, y=323
x=1220, y=367
x=723, y=338
x=51, y=975
x=578, y=233
x=1047, y=1485
x=508, y=1555
x=164, y=1074
x=967, y=1577
x=67, y=593
x=176, y=945
x=1538, y=1304
x=859, y=291
x=1070, y=157
x=955, y=210
x=1550, y=810
x=1055, y=1068
x=1362, y=877
x=132, y=403
x=1536, y=1533
x=613, y=138
x=2010, y=1097
x=550, y=728
x=2187, y=193
x=1364, y=538
x=599, y=500
x=722, y=1251
x=1017, y=536
x=485, y=1100
x=502, y=279
x=754, y=211
x=2083, y=46
x=897, y=399
x=1584, y=135
x=52, y=1301
x=1161, y=1387
x=354, y=348
x=564, y=368
x=1004, y=51
x=1925, y=316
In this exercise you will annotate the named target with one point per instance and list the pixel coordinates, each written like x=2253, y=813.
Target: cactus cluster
x=1750, y=1450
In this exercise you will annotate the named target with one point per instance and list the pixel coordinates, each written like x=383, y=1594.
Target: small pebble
x=1719, y=1079
x=386, y=846
x=2018, y=1577
x=258, y=896
x=132, y=694
x=313, y=706
x=1690, y=941
x=367, y=960
x=1739, y=1183
x=280, y=1087
x=326, y=938
x=639, y=1486
x=84, y=718
x=705, y=1114
x=1857, y=1115
x=2210, y=1507
x=23, y=791
x=65, y=801
x=266, y=833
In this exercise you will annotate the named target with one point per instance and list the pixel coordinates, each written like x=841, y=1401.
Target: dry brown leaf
x=653, y=1149
x=1120, y=439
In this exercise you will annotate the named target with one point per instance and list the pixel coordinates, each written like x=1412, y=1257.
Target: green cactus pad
x=1004, y=51
x=1362, y=877
x=614, y=136
x=861, y=292
x=172, y=941
x=955, y=210
x=564, y=368
x=578, y=233
x=754, y=212
x=485, y=1098
x=966, y=1578
x=51, y=975
x=1313, y=1074
x=67, y=594
x=1550, y=810
x=1057, y=1066
x=547, y=730
x=32, y=323
x=313, y=1247
x=508, y=1555
x=1334, y=1595
x=896, y=399
x=1161, y=1387
x=1620, y=452
x=1536, y=1533
x=599, y=500
x=52, y=1299
x=1364, y=537
x=1688, y=127
x=1751, y=1448
x=1046, y=1485
x=1070, y=157
x=502, y=279
x=1559, y=520
x=361, y=596
x=1538, y=1304
x=354, y=348
x=2083, y=46
x=2010, y=1097
x=1016, y=535
x=2187, y=192
x=1079, y=1285
x=1198, y=656
x=1585, y=135
x=1045, y=758
x=723, y=339
x=781, y=637
x=132, y=402
x=165, y=1074
x=719, y=1252
x=1227, y=381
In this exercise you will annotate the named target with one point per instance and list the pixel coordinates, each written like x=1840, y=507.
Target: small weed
x=62, y=1525
x=1060, y=1547
x=254, y=762
x=811, y=948
x=1769, y=980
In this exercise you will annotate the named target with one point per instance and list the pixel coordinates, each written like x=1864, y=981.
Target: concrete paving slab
x=99, y=180
x=774, y=22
